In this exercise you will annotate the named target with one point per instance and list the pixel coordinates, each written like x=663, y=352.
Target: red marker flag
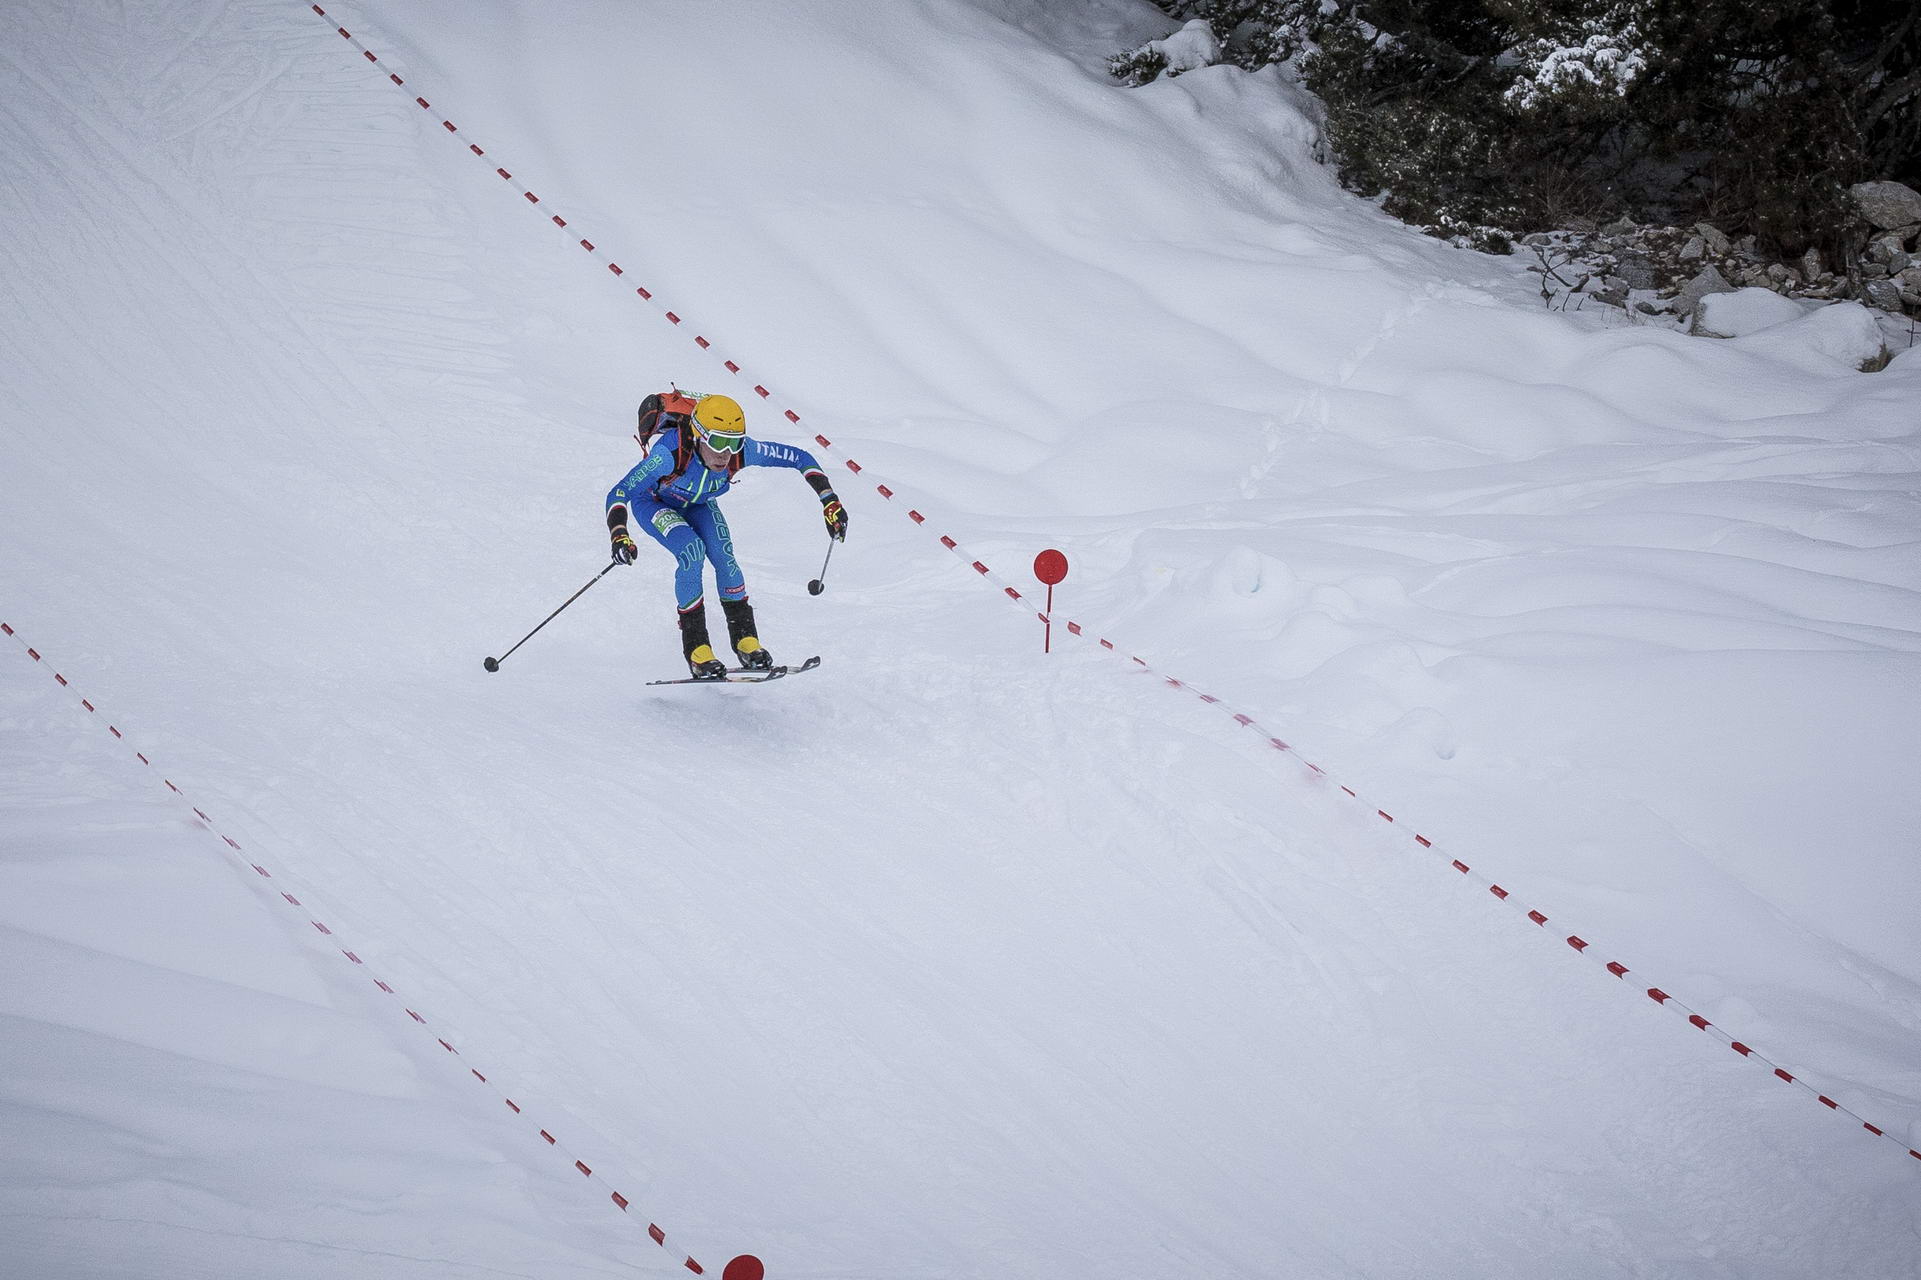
x=1050, y=566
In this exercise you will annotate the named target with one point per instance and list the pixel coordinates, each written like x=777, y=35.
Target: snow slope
x=949, y=959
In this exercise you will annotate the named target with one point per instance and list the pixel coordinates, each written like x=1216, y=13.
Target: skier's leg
x=711, y=525
x=671, y=530
x=745, y=637
x=741, y=631
x=694, y=645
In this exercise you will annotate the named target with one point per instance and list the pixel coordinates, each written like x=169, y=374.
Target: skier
x=672, y=491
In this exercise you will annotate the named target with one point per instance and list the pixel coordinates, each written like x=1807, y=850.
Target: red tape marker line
x=293, y=902
x=533, y=200
x=1013, y=596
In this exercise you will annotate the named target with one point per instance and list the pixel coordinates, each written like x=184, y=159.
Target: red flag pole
x=1050, y=566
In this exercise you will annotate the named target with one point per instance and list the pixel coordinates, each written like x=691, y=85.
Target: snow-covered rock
x=1910, y=282
x=1745, y=311
x=1883, y=293
x=1845, y=333
x=1709, y=281
x=1192, y=47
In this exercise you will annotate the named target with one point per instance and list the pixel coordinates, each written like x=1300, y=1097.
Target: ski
x=746, y=675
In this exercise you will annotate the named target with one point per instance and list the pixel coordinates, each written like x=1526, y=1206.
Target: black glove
x=835, y=515
x=624, y=549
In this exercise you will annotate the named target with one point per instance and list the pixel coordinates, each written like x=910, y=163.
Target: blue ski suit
x=677, y=508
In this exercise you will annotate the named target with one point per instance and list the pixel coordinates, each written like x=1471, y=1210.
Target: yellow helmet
x=720, y=416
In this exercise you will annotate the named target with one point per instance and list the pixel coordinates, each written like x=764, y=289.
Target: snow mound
x=1845, y=334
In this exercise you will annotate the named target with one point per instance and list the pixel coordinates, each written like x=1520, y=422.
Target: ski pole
x=817, y=585
x=493, y=664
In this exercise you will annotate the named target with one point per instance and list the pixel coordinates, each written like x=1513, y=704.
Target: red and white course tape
x=1013, y=595
x=246, y=862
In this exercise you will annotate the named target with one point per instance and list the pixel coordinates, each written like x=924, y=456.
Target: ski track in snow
x=970, y=963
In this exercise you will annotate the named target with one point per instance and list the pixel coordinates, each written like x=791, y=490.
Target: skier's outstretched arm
x=771, y=453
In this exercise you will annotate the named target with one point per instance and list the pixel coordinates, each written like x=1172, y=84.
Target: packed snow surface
x=951, y=958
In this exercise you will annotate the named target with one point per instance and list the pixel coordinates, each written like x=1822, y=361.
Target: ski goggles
x=722, y=442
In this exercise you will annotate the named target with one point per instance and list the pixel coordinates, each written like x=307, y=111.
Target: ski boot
x=694, y=646
x=740, y=631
